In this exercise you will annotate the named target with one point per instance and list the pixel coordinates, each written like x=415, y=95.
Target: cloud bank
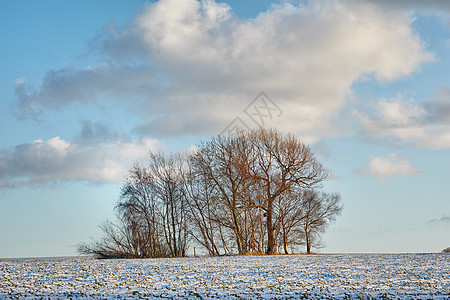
x=193, y=66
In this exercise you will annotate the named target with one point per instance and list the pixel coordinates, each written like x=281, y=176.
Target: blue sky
x=88, y=87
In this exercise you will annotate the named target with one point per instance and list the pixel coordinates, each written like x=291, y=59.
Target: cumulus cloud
x=391, y=165
x=398, y=121
x=207, y=64
x=55, y=160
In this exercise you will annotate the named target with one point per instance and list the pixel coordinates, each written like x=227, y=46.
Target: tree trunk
x=270, y=237
x=285, y=243
x=308, y=242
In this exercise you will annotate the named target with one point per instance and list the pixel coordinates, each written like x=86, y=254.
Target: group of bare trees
x=254, y=192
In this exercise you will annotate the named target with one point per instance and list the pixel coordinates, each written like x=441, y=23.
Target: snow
x=366, y=276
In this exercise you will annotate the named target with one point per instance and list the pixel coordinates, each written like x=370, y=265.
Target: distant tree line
x=254, y=192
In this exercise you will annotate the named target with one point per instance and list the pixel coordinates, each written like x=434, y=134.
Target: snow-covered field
x=366, y=276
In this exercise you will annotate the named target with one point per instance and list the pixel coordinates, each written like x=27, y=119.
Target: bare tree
x=290, y=208
x=202, y=203
x=253, y=173
x=319, y=209
x=222, y=159
x=248, y=193
x=117, y=242
x=138, y=230
x=280, y=164
x=169, y=191
x=151, y=214
x=138, y=201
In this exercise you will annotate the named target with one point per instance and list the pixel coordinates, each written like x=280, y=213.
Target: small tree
x=151, y=214
x=118, y=242
x=319, y=209
x=167, y=183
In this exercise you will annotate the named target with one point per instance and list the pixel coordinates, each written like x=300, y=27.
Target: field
x=360, y=276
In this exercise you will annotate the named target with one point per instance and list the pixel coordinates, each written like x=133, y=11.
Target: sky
x=87, y=88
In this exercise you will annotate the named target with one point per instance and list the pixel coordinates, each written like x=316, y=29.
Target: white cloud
x=207, y=64
x=391, y=165
x=55, y=160
x=399, y=112
x=407, y=121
